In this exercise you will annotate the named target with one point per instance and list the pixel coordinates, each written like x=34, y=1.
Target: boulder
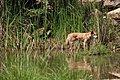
x=115, y=14
x=111, y=3
x=114, y=22
x=85, y=1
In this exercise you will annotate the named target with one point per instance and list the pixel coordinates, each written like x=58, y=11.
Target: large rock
x=111, y=3
x=90, y=1
x=114, y=22
x=114, y=14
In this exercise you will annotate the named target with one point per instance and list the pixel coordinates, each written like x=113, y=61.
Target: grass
x=50, y=66
x=21, y=58
x=40, y=68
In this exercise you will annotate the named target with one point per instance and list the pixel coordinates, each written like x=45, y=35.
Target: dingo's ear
x=92, y=32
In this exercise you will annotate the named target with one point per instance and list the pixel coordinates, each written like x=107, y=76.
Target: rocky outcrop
x=111, y=3
x=90, y=1
x=115, y=14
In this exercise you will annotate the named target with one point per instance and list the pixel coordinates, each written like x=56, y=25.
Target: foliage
x=26, y=55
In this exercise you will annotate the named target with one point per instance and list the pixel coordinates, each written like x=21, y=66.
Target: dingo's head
x=94, y=34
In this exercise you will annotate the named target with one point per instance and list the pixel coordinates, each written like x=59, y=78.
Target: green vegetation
x=41, y=68
x=28, y=54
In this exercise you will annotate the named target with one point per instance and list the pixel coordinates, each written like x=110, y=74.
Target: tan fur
x=83, y=37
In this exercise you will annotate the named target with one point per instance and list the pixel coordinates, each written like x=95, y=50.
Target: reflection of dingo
x=83, y=37
x=73, y=65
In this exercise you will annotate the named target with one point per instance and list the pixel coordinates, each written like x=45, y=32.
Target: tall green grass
x=24, y=66
x=64, y=17
x=51, y=66
x=20, y=59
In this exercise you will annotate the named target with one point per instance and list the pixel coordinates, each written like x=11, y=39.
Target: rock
x=111, y=3
x=115, y=14
x=108, y=3
x=114, y=22
x=84, y=1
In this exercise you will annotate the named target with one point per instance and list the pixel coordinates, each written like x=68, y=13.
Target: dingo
x=83, y=37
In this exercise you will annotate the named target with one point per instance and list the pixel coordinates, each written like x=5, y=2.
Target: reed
x=26, y=55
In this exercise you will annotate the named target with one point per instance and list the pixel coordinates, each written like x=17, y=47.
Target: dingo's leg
x=67, y=41
x=88, y=45
x=71, y=46
x=84, y=44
